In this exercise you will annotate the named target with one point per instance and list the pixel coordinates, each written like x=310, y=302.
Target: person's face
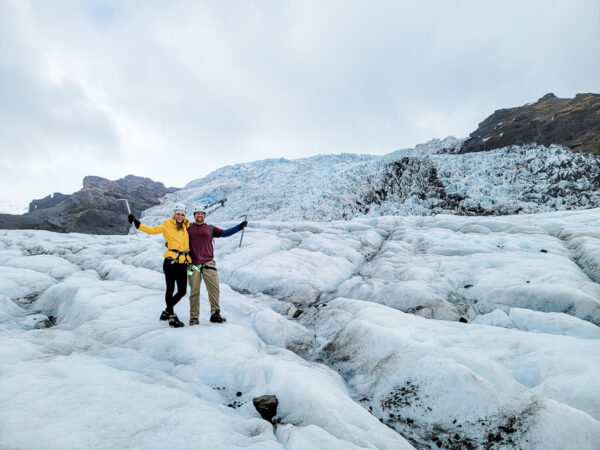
x=199, y=217
x=179, y=217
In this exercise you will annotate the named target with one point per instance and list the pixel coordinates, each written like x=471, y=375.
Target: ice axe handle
x=243, y=229
x=128, y=209
x=126, y=204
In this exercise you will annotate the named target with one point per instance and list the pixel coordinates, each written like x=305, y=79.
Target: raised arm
x=145, y=228
x=234, y=229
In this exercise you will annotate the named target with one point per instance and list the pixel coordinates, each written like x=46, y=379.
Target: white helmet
x=198, y=208
x=178, y=207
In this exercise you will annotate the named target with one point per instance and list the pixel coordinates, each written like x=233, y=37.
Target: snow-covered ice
x=553, y=323
x=465, y=382
x=109, y=374
x=340, y=320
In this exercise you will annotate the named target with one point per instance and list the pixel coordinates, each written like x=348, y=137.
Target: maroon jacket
x=201, y=246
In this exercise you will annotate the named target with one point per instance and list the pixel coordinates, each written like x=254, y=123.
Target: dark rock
x=548, y=96
x=238, y=394
x=574, y=123
x=92, y=181
x=297, y=313
x=48, y=201
x=46, y=323
x=463, y=320
x=266, y=406
x=401, y=396
x=95, y=209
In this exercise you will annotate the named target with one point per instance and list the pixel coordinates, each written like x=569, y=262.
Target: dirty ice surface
x=385, y=333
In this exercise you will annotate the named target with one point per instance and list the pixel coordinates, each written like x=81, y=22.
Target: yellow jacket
x=178, y=240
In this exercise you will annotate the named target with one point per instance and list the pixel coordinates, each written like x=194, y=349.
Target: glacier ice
x=354, y=325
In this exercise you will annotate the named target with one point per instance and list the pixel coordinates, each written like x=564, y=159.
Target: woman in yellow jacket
x=175, y=232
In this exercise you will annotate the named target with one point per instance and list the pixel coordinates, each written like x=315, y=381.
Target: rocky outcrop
x=47, y=202
x=95, y=209
x=266, y=405
x=574, y=123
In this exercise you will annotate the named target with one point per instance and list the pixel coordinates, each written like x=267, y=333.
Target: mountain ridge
x=94, y=209
x=529, y=173
x=574, y=123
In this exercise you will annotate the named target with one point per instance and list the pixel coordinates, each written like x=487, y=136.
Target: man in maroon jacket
x=203, y=266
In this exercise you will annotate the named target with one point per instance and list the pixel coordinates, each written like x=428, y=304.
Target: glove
x=244, y=224
x=133, y=220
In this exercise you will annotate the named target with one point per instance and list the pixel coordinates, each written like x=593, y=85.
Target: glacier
x=382, y=332
x=427, y=180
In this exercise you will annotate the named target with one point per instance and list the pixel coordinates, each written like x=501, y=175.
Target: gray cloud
x=175, y=92
x=48, y=125
x=36, y=114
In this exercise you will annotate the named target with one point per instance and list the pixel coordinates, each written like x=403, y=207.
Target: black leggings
x=174, y=273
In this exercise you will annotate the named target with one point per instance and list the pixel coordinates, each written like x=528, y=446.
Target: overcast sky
x=174, y=90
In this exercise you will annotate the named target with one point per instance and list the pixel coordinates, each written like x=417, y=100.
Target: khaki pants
x=211, y=279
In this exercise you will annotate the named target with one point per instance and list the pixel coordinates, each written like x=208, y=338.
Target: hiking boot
x=194, y=321
x=216, y=318
x=164, y=315
x=174, y=321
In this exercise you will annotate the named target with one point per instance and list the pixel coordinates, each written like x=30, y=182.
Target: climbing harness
x=199, y=268
x=179, y=253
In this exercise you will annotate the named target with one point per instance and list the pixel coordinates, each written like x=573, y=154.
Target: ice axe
x=243, y=229
x=128, y=208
